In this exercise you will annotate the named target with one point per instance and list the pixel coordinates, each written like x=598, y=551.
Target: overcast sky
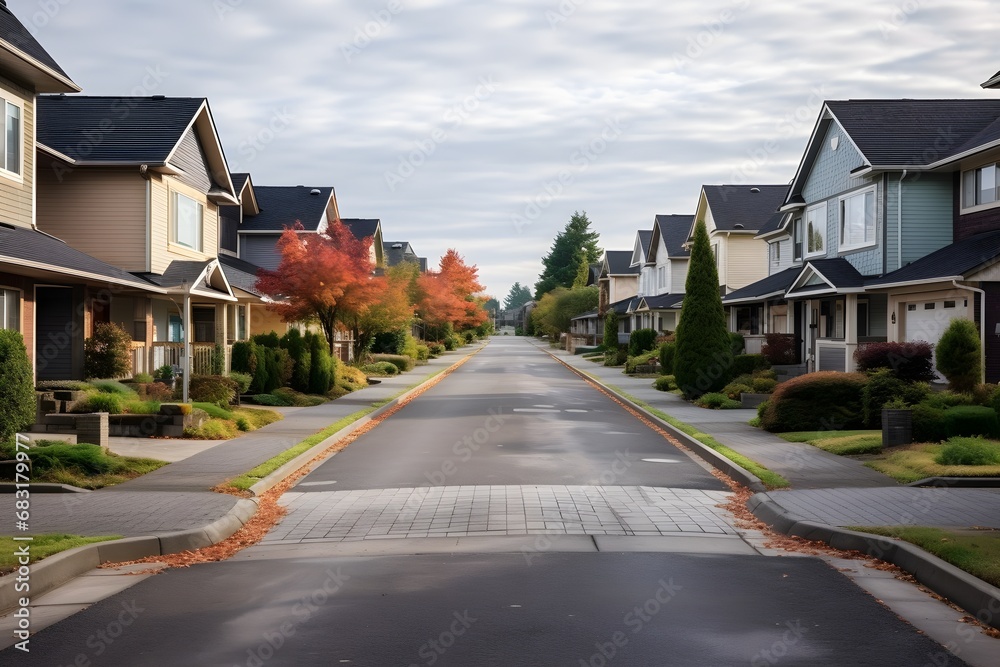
x=482, y=125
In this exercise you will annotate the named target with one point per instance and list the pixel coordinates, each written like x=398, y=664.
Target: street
x=511, y=515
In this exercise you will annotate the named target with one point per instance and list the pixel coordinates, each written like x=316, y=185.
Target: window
x=815, y=230
x=204, y=324
x=748, y=319
x=10, y=138
x=797, y=239
x=776, y=252
x=187, y=222
x=10, y=309
x=857, y=220
x=949, y=304
x=981, y=186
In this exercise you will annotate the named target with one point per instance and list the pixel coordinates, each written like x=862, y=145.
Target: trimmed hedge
x=641, y=341
x=667, y=351
x=380, y=368
x=826, y=400
x=883, y=386
x=748, y=364
x=911, y=361
x=971, y=420
x=959, y=357
x=401, y=362
x=665, y=383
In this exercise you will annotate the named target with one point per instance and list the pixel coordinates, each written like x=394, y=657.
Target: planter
x=897, y=427
x=753, y=400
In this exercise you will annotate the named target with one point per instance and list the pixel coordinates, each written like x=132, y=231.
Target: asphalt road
x=302, y=600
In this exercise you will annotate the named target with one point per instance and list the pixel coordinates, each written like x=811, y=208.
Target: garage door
x=927, y=320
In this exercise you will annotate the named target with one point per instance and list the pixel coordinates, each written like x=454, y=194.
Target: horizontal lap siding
x=15, y=197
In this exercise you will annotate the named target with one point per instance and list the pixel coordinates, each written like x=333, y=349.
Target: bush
x=644, y=359
x=911, y=361
x=217, y=389
x=764, y=385
x=402, y=363
x=321, y=364
x=717, y=401
x=142, y=378
x=884, y=385
x=616, y=357
x=99, y=402
x=112, y=387
x=423, y=353
x=108, y=353
x=665, y=383
x=610, y=340
x=470, y=337
x=271, y=400
x=968, y=452
x=735, y=388
x=140, y=407
x=242, y=380
x=780, y=349
x=219, y=360
x=17, y=391
x=154, y=391
x=641, y=341
x=298, y=349
x=298, y=399
x=826, y=400
x=164, y=374
x=667, y=357
x=437, y=349
x=268, y=340
x=60, y=385
x=89, y=459
x=390, y=342
x=959, y=355
x=244, y=358
x=947, y=399
x=737, y=343
x=381, y=368
x=971, y=420
x=748, y=364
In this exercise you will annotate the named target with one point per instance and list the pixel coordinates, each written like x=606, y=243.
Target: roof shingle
x=283, y=206
x=744, y=207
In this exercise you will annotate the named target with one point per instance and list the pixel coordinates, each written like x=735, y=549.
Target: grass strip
x=42, y=546
x=915, y=462
x=974, y=551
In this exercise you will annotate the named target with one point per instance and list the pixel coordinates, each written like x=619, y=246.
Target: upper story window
x=10, y=309
x=11, y=138
x=188, y=222
x=776, y=252
x=981, y=186
x=857, y=220
x=815, y=230
x=797, y=239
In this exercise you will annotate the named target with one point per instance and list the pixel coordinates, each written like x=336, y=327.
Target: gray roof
x=589, y=315
x=362, y=228
x=239, y=180
x=773, y=286
x=178, y=272
x=14, y=33
x=743, y=207
x=645, y=236
x=625, y=305
x=917, y=132
x=663, y=301
x=619, y=263
x=283, y=206
x=840, y=273
x=773, y=224
x=240, y=274
x=992, y=82
x=953, y=261
x=143, y=130
x=397, y=252
x=26, y=247
x=674, y=230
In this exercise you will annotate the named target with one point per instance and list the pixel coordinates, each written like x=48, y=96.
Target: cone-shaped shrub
x=959, y=357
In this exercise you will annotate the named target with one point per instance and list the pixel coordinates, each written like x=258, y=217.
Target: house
x=733, y=215
x=884, y=196
x=619, y=286
x=367, y=228
x=51, y=292
x=278, y=208
x=992, y=82
x=137, y=183
x=665, y=271
x=397, y=252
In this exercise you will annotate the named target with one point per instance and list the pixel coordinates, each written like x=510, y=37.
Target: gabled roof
x=774, y=286
x=24, y=58
x=244, y=188
x=674, y=230
x=619, y=263
x=33, y=250
x=362, y=228
x=589, y=315
x=397, y=252
x=742, y=208
x=240, y=274
x=205, y=278
x=775, y=224
x=132, y=131
x=827, y=276
x=661, y=302
x=283, y=206
x=625, y=306
x=952, y=262
x=992, y=82
x=643, y=237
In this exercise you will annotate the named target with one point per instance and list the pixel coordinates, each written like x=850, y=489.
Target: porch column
x=850, y=330
x=188, y=335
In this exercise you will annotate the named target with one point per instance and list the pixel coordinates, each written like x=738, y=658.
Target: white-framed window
x=857, y=220
x=797, y=239
x=815, y=229
x=188, y=222
x=662, y=271
x=11, y=138
x=10, y=309
x=776, y=252
x=981, y=186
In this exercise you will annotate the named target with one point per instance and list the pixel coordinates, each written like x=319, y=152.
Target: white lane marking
x=535, y=410
x=661, y=460
x=578, y=411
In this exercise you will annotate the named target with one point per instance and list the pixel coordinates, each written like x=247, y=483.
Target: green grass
x=808, y=436
x=975, y=551
x=42, y=546
x=769, y=478
x=916, y=462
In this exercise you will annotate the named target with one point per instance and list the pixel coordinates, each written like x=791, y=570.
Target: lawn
x=916, y=462
x=42, y=546
x=842, y=443
x=229, y=423
x=975, y=551
x=84, y=466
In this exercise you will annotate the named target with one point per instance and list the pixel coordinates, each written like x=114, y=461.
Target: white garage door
x=927, y=320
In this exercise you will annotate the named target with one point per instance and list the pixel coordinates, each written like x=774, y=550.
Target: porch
x=146, y=359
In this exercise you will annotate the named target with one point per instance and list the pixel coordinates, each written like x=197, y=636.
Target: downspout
x=899, y=223
x=982, y=325
x=144, y=173
x=186, y=379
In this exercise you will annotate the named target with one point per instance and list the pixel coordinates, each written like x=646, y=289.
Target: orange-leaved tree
x=325, y=277
x=388, y=309
x=452, y=295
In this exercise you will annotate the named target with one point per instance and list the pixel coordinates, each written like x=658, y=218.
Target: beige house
x=137, y=182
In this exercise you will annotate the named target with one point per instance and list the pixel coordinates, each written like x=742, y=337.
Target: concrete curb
x=302, y=459
x=60, y=568
x=960, y=482
x=975, y=596
x=712, y=457
x=11, y=487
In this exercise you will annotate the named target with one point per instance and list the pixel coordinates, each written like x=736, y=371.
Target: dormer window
x=981, y=186
x=11, y=138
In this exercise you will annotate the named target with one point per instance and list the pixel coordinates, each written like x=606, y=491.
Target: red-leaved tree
x=452, y=295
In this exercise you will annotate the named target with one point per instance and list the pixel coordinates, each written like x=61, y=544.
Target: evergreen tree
x=611, y=330
x=582, y=271
x=518, y=296
x=704, y=358
x=560, y=266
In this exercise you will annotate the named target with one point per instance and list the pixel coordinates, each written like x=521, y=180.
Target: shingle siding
x=191, y=158
x=831, y=172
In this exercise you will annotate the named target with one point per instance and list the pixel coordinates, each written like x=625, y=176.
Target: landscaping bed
x=976, y=551
x=84, y=466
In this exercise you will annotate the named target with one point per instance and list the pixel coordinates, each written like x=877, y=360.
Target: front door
x=54, y=333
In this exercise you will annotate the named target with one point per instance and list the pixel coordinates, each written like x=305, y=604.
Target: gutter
x=982, y=326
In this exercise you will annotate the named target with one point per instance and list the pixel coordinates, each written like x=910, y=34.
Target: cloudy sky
x=483, y=125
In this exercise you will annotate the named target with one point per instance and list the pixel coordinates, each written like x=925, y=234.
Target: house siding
x=159, y=225
x=970, y=224
x=101, y=212
x=746, y=260
x=890, y=232
x=927, y=215
x=163, y=251
x=16, y=205
x=260, y=249
x=190, y=156
x=785, y=262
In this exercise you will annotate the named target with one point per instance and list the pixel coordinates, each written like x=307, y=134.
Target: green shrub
x=764, y=385
x=213, y=429
x=716, y=401
x=99, y=402
x=423, y=353
x=610, y=340
x=217, y=389
x=411, y=348
x=139, y=407
x=667, y=357
x=971, y=420
x=769, y=374
x=142, y=378
x=268, y=340
x=437, y=349
x=401, y=362
x=89, y=459
x=298, y=350
x=108, y=353
x=271, y=400
x=470, y=337
x=380, y=368
x=243, y=424
x=219, y=360
x=644, y=359
x=616, y=357
x=826, y=400
x=351, y=379
x=113, y=387
x=244, y=358
x=747, y=364
x=947, y=399
x=242, y=380
x=59, y=385
x=641, y=341
x=214, y=411
x=737, y=343
x=17, y=392
x=321, y=365
x=959, y=356
x=389, y=342
x=164, y=373
x=761, y=409
x=735, y=388
x=884, y=385
x=296, y=398
x=968, y=452
x=665, y=383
